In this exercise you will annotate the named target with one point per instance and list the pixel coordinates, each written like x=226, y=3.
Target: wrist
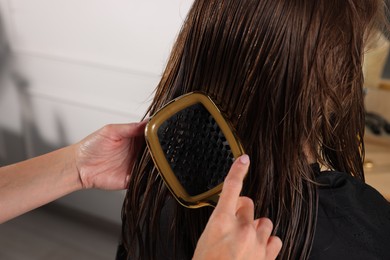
x=72, y=168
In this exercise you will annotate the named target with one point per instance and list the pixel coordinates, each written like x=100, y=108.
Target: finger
x=273, y=247
x=135, y=129
x=232, y=185
x=264, y=229
x=245, y=210
x=127, y=130
x=127, y=181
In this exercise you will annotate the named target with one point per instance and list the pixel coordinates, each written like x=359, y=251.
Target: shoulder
x=353, y=219
x=347, y=193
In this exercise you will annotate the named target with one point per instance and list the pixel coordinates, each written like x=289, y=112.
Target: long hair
x=288, y=75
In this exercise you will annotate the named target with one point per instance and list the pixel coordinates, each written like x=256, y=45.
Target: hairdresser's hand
x=104, y=159
x=232, y=232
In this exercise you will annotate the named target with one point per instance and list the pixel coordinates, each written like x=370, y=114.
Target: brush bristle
x=196, y=149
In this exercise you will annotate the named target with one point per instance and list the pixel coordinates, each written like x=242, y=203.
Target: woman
x=288, y=75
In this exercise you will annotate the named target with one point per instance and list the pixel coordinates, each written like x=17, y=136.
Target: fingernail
x=244, y=159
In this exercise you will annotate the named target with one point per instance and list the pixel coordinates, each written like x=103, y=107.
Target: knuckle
x=247, y=232
x=220, y=222
x=246, y=202
x=267, y=223
x=107, y=128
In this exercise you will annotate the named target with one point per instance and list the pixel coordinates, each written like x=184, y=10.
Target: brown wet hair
x=288, y=75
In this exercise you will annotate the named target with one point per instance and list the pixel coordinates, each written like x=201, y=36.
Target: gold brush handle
x=213, y=200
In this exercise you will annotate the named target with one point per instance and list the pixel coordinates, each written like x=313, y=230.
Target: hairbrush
x=192, y=146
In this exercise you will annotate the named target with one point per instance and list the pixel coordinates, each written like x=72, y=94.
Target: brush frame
x=210, y=197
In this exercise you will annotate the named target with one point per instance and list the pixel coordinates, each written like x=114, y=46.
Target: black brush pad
x=196, y=149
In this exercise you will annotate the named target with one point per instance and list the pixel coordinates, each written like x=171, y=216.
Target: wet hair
x=288, y=75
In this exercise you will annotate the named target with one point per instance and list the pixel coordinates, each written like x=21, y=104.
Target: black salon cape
x=353, y=221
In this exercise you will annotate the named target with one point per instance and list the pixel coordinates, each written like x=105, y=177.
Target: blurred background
x=76, y=65
x=72, y=67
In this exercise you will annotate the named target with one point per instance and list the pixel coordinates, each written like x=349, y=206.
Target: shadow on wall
x=25, y=141
x=25, y=132
x=22, y=140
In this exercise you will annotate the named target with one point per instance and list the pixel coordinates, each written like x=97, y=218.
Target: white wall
x=86, y=63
